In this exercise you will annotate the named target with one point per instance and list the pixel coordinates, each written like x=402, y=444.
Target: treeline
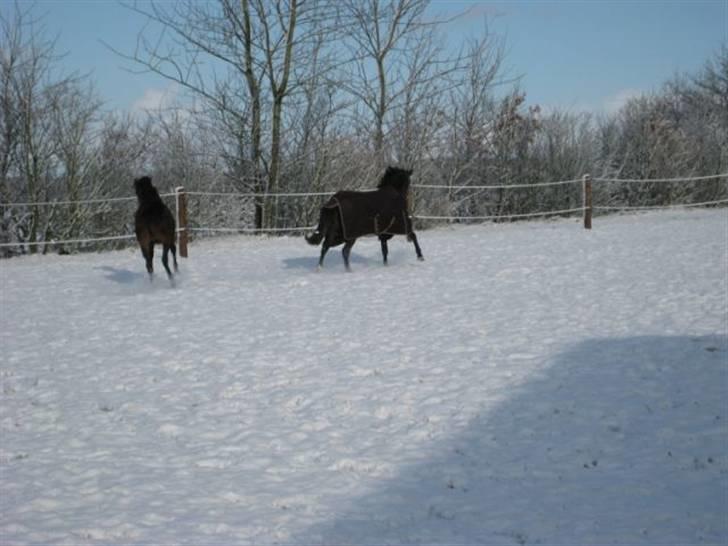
x=293, y=96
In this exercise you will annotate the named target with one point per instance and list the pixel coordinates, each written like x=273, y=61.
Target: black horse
x=153, y=223
x=352, y=214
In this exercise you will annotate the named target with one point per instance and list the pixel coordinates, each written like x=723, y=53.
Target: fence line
x=652, y=207
x=235, y=194
x=650, y=180
x=587, y=208
x=249, y=230
x=492, y=217
x=69, y=241
x=497, y=186
x=424, y=186
x=79, y=202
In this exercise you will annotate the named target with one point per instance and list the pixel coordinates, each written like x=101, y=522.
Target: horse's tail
x=315, y=238
x=324, y=222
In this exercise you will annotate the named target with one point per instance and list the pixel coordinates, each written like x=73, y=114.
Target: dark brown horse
x=153, y=223
x=352, y=214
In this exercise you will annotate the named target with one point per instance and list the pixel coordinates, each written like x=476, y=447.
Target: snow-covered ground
x=531, y=383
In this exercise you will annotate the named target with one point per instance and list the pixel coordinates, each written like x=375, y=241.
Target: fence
x=180, y=196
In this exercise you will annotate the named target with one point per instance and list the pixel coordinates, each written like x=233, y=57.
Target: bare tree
x=251, y=46
x=709, y=108
x=12, y=48
x=565, y=148
x=74, y=111
x=122, y=148
x=713, y=82
x=30, y=93
x=207, y=48
x=463, y=148
x=379, y=31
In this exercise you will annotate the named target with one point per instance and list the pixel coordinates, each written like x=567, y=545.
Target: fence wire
x=202, y=229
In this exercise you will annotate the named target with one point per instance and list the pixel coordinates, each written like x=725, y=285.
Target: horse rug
x=379, y=212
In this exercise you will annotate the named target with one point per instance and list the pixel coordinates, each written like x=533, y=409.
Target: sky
x=573, y=55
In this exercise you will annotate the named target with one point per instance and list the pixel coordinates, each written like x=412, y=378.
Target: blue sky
x=577, y=55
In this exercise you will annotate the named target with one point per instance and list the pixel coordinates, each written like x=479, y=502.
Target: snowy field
x=530, y=383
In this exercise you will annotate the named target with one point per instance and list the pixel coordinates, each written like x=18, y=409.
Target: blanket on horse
x=379, y=212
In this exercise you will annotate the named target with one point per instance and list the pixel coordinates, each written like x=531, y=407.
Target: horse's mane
x=146, y=193
x=397, y=178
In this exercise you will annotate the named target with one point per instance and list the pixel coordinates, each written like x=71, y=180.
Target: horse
x=154, y=223
x=383, y=212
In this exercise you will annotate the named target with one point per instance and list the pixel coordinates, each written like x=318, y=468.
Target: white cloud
x=575, y=107
x=614, y=103
x=155, y=99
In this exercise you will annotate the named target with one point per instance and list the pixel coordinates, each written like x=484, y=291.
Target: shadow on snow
x=334, y=261
x=121, y=276
x=138, y=281
x=620, y=440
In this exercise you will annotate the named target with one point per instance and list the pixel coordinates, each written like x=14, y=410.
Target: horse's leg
x=143, y=248
x=150, y=258
x=173, y=248
x=165, y=261
x=385, y=250
x=324, y=250
x=346, y=251
x=413, y=238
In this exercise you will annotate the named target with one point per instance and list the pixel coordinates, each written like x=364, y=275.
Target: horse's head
x=144, y=189
x=397, y=178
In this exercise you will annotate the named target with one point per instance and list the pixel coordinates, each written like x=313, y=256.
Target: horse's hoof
x=420, y=258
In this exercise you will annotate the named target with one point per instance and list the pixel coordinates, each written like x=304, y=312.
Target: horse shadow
x=631, y=454
x=121, y=276
x=311, y=263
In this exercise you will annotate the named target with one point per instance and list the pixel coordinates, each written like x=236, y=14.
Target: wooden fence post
x=181, y=200
x=587, y=195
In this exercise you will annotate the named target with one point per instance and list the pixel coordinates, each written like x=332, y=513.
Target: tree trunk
x=256, y=129
x=280, y=90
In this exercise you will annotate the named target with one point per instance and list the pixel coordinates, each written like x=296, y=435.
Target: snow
x=529, y=383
